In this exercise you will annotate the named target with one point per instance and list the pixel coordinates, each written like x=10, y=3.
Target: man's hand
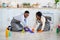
x=33, y=29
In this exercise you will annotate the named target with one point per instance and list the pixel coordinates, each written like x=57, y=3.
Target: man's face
x=38, y=18
x=26, y=15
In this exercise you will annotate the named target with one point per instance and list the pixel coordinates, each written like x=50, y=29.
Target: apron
x=46, y=28
x=16, y=26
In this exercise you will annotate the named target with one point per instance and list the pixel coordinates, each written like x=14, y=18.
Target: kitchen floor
x=48, y=35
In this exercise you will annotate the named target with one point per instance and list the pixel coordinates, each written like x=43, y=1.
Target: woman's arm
x=43, y=23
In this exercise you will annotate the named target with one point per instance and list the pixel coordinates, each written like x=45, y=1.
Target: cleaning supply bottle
x=7, y=32
x=9, y=28
x=57, y=30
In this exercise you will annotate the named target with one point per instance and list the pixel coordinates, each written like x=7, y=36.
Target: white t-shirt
x=22, y=19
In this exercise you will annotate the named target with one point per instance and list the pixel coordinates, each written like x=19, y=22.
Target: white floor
x=49, y=35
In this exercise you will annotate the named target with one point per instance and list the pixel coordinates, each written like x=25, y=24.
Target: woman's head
x=38, y=15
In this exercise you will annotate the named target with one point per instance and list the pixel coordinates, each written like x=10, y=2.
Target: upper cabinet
x=27, y=4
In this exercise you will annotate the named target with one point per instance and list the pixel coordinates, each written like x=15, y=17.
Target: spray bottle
x=8, y=32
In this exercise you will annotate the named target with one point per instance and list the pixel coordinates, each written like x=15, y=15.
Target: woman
x=43, y=25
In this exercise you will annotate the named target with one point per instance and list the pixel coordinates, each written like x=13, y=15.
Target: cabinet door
x=4, y=18
x=0, y=19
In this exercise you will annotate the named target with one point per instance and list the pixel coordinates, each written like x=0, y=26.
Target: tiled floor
x=49, y=35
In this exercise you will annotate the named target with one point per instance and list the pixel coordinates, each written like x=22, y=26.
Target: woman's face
x=38, y=18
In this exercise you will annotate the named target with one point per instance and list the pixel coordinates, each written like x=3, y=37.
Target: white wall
x=59, y=17
x=0, y=19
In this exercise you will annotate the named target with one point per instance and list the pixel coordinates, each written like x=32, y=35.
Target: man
x=43, y=25
x=19, y=22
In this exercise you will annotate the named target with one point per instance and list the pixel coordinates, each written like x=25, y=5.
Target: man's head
x=38, y=15
x=26, y=14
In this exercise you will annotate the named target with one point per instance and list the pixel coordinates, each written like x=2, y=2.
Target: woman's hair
x=39, y=13
x=27, y=11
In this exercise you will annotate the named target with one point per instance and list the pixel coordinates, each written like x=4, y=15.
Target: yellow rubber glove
x=23, y=31
x=40, y=31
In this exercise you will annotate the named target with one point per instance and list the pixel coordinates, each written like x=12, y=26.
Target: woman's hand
x=40, y=31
